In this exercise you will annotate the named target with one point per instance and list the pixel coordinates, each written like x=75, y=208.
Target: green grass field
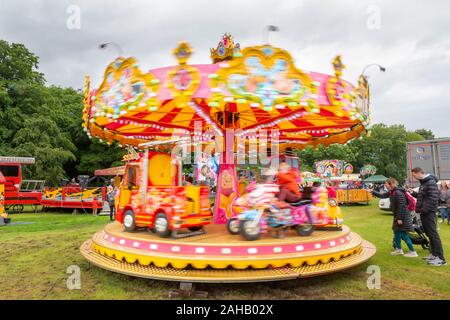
x=34, y=259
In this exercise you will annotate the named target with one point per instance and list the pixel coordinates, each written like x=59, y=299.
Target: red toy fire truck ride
x=151, y=195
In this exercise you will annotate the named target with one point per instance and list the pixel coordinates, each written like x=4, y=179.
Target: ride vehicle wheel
x=129, y=221
x=233, y=226
x=249, y=231
x=304, y=230
x=194, y=229
x=161, y=225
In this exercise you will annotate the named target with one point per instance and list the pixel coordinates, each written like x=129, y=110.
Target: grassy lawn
x=34, y=258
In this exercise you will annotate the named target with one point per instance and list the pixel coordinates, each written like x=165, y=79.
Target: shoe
x=411, y=254
x=397, y=252
x=441, y=221
x=429, y=258
x=437, y=262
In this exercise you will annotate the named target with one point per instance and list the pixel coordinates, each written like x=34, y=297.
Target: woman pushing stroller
x=402, y=222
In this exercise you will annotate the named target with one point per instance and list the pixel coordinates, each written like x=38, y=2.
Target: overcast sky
x=410, y=38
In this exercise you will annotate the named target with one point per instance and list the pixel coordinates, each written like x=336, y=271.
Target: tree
x=42, y=138
x=45, y=122
x=17, y=63
x=426, y=134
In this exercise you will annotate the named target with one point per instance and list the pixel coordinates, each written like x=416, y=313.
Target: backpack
x=411, y=201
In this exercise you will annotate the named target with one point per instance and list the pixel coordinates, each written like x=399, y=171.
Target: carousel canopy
x=244, y=90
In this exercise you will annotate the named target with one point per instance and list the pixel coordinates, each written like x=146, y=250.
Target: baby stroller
x=417, y=236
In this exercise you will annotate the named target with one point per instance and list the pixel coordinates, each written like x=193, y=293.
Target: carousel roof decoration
x=183, y=80
x=259, y=88
x=226, y=49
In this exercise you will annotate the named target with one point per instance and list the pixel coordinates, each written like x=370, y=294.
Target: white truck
x=431, y=155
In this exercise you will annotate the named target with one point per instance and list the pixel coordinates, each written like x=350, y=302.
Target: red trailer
x=73, y=197
x=19, y=192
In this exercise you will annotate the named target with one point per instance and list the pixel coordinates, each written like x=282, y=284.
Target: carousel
x=247, y=100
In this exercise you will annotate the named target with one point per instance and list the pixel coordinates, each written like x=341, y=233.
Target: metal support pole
x=180, y=170
x=145, y=177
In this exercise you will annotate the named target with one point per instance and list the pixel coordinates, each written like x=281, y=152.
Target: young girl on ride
x=402, y=222
x=263, y=193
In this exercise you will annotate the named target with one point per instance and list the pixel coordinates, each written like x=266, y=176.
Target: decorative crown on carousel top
x=226, y=49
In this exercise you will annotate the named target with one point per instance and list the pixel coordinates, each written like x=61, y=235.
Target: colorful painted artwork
x=266, y=84
x=368, y=170
x=264, y=75
x=329, y=168
x=227, y=191
x=207, y=169
x=183, y=80
x=348, y=168
x=125, y=88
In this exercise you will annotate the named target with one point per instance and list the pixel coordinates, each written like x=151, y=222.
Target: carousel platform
x=219, y=257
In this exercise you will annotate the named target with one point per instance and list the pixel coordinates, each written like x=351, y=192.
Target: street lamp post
x=381, y=68
x=115, y=45
x=268, y=29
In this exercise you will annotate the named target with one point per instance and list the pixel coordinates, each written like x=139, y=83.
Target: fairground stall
x=246, y=100
x=349, y=186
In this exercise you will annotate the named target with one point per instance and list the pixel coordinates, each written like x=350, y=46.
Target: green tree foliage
x=44, y=122
x=426, y=134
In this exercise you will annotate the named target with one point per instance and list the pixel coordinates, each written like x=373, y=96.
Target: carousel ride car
x=247, y=98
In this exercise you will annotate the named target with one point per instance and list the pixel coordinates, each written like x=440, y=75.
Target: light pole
x=267, y=31
x=381, y=68
x=115, y=45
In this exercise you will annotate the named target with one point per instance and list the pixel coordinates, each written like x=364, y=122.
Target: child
x=402, y=219
x=263, y=194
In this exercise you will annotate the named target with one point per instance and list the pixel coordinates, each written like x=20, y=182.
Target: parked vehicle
x=19, y=192
x=385, y=204
x=431, y=155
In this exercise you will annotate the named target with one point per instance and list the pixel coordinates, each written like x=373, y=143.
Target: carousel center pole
x=227, y=186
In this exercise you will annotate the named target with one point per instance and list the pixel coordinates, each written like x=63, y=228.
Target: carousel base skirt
x=219, y=257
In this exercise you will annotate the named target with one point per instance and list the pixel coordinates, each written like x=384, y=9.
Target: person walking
x=402, y=222
x=444, y=200
x=427, y=205
x=111, y=193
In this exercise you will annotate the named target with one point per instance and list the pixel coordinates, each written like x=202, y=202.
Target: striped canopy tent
x=255, y=95
x=257, y=88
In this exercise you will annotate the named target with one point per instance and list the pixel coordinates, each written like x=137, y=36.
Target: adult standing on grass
x=110, y=198
x=444, y=200
x=402, y=222
x=427, y=204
